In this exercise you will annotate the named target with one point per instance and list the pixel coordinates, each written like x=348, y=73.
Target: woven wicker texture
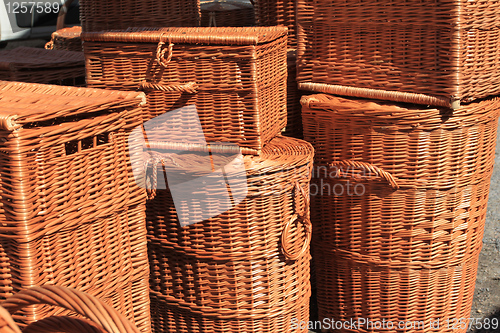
x=97, y=15
x=278, y=12
x=235, y=76
x=293, y=107
x=419, y=147
x=28, y=64
x=424, y=52
x=103, y=318
x=67, y=39
x=222, y=13
x=71, y=214
x=347, y=289
x=7, y=324
x=245, y=268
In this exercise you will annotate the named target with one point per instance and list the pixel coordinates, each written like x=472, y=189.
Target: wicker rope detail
x=190, y=87
x=369, y=167
x=160, y=54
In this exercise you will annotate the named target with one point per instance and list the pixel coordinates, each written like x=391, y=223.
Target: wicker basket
x=245, y=268
x=222, y=13
x=235, y=76
x=103, y=317
x=294, y=112
x=350, y=290
x=67, y=39
x=97, y=15
x=28, y=64
x=278, y=12
x=71, y=214
x=425, y=52
x=417, y=147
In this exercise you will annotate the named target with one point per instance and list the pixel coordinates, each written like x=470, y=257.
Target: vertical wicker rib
x=237, y=278
x=426, y=52
x=97, y=15
x=29, y=64
x=70, y=214
x=399, y=196
x=235, y=76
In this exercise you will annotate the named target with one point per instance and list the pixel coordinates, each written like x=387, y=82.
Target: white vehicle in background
x=33, y=19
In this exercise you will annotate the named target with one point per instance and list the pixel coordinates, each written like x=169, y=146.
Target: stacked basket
x=399, y=191
x=235, y=256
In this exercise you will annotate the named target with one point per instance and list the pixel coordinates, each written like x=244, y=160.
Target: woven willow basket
x=97, y=15
x=397, y=300
x=427, y=52
x=222, y=13
x=67, y=39
x=236, y=77
x=293, y=107
x=244, y=269
x=417, y=147
x=71, y=214
x=278, y=12
x=29, y=64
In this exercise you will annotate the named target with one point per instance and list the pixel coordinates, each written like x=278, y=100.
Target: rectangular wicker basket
x=29, y=64
x=97, y=15
x=235, y=76
x=427, y=52
x=278, y=12
x=70, y=213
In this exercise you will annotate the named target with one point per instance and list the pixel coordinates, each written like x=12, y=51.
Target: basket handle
x=378, y=172
x=79, y=302
x=63, y=324
x=49, y=45
x=160, y=53
x=306, y=221
x=190, y=87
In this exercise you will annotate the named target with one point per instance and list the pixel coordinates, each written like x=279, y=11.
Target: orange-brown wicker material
x=420, y=147
x=426, y=52
x=71, y=214
x=235, y=76
x=222, y=13
x=293, y=107
x=29, y=64
x=67, y=39
x=7, y=324
x=103, y=318
x=349, y=290
x=97, y=15
x=278, y=12
x=245, y=270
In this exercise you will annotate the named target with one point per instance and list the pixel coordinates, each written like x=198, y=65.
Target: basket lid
x=400, y=115
x=202, y=35
x=72, y=32
x=22, y=103
x=35, y=58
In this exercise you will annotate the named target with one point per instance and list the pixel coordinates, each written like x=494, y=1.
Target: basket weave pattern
x=278, y=12
x=66, y=214
x=67, y=39
x=232, y=270
x=97, y=15
x=235, y=76
x=424, y=52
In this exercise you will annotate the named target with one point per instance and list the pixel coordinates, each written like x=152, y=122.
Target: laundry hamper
x=236, y=77
x=424, y=52
x=278, y=12
x=103, y=317
x=67, y=39
x=29, y=64
x=246, y=269
x=97, y=15
x=222, y=13
x=293, y=107
x=71, y=213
